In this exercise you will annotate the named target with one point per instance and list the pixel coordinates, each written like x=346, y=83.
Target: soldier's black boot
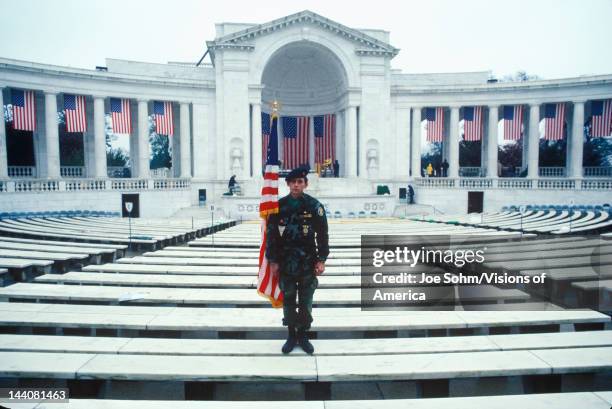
x=291, y=340
x=303, y=341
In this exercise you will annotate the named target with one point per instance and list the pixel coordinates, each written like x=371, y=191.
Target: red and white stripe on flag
x=601, y=112
x=295, y=141
x=472, y=123
x=325, y=138
x=164, y=123
x=554, y=119
x=24, y=112
x=268, y=283
x=435, y=124
x=74, y=113
x=121, y=115
x=513, y=122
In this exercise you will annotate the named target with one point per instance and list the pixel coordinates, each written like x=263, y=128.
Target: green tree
x=469, y=153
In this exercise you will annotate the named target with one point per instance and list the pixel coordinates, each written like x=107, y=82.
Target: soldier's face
x=297, y=186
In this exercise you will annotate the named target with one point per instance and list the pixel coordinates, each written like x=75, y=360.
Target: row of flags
x=24, y=113
x=512, y=115
x=295, y=131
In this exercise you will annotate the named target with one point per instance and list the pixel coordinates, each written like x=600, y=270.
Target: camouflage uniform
x=291, y=243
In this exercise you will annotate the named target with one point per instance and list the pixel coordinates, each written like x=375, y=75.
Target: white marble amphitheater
x=161, y=310
x=313, y=66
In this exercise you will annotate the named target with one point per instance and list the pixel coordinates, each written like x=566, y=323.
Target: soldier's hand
x=273, y=268
x=319, y=267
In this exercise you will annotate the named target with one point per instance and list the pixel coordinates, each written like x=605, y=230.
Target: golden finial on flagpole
x=275, y=105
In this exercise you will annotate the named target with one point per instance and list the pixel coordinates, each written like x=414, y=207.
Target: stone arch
x=261, y=61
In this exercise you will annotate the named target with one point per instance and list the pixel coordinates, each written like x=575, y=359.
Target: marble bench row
x=550, y=370
x=189, y=322
x=239, y=296
x=570, y=400
x=152, y=267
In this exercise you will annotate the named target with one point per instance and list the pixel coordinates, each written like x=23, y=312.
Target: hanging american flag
x=74, y=107
x=513, y=122
x=554, y=119
x=435, y=124
x=325, y=137
x=120, y=114
x=601, y=112
x=267, y=283
x=265, y=136
x=472, y=123
x=24, y=114
x=295, y=141
x=164, y=124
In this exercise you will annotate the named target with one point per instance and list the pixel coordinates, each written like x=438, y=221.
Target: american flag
x=435, y=124
x=120, y=114
x=513, y=122
x=472, y=123
x=554, y=119
x=295, y=141
x=164, y=124
x=265, y=136
x=325, y=137
x=267, y=283
x=602, y=118
x=24, y=114
x=74, y=106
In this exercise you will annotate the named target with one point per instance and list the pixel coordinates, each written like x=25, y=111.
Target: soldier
x=293, y=250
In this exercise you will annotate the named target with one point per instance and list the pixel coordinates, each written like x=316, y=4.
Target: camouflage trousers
x=297, y=299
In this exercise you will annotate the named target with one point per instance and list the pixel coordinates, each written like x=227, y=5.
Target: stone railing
x=476, y=183
x=74, y=185
x=22, y=171
x=161, y=173
x=598, y=171
x=118, y=171
x=596, y=184
x=72, y=171
x=165, y=184
x=551, y=171
x=471, y=171
x=516, y=183
x=436, y=182
x=33, y=186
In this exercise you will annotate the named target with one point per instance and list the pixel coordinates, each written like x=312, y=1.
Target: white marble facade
x=313, y=66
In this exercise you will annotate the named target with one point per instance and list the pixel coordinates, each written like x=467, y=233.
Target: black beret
x=297, y=173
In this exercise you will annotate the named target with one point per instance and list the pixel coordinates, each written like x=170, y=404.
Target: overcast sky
x=549, y=38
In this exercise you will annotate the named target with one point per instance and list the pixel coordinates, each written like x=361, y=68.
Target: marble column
x=492, y=141
x=533, y=149
x=453, y=143
x=3, y=157
x=52, y=135
x=256, y=154
x=143, y=139
x=185, y=141
x=99, y=138
x=416, y=142
x=350, y=143
x=577, y=140
x=402, y=143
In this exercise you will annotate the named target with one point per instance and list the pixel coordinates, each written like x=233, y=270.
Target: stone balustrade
x=84, y=184
x=516, y=183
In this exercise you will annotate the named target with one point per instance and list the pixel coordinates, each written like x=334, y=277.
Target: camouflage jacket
x=297, y=235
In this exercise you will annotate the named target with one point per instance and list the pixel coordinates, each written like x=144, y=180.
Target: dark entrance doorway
x=134, y=199
x=475, y=202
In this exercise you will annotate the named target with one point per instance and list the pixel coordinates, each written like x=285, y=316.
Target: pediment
x=244, y=39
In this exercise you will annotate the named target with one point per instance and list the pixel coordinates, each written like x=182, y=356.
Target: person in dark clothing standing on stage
x=297, y=248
